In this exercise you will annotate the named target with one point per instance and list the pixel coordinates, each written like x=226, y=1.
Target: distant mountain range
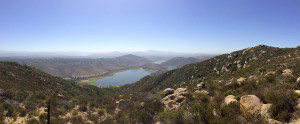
x=259, y=85
x=77, y=68
x=181, y=61
x=150, y=54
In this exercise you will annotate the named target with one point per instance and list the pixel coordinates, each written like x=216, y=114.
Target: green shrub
x=75, y=112
x=10, y=112
x=101, y=112
x=283, y=103
x=145, y=117
x=83, y=107
x=270, y=78
x=43, y=118
x=230, y=113
x=77, y=120
x=32, y=121
x=171, y=117
x=93, y=117
x=6, y=105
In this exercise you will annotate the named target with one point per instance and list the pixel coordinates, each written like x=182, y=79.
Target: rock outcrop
x=241, y=80
x=264, y=111
x=229, y=99
x=204, y=92
x=298, y=80
x=250, y=104
x=168, y=91
x=174, y=98
x=272, y=121
x=201, y=85
x=287, y=72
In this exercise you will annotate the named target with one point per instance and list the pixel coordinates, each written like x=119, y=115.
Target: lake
x=125, y=77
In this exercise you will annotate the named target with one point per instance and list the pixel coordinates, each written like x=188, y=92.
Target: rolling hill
x=255, y=85
x=78, y=68
x=181, y=61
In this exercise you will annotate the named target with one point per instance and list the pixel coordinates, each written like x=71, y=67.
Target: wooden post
x=48, y=116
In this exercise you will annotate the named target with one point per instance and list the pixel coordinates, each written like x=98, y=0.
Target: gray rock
x=179, y=98
x=239, y=66
x=272, y=121
x=297, y=92
x=264, y=111
x=251, y=104
x=201, y=85
x=298, y=80
x=287, y=72
x=168, y=91
x=204, y=92
x=229, y=99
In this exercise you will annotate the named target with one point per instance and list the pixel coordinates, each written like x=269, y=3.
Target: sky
x=188, y=26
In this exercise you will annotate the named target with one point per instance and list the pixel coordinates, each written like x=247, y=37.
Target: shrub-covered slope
x=24, y=92
x=264, y=74
x=247, y=62
x=254, y=85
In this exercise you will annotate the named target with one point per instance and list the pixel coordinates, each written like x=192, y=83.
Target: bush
x=230, y=113
x=101, y=112
x=6, y=106
x=93, y=117
x=171, y=117
x=10, y=112
x=83, y=107
x=144, y=117
x=283, y=103
x=77, y=120
x=43, y=118
x=23, y=112
x=32, y=121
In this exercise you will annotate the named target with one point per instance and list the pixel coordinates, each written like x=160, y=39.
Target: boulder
x=239, y=65
x=197, y=91
x=241, y=80
x=298, y=80
x=180, y=91
x=174, y=98
x=270, y=73
x=287, y=72
x=214, y=112
x=250, y=104
x=224, y=69
x=179, y=98
x=272, y=121
x=168, y=103
x=204, y=92
x=297, y=92
x=228, y=84
x=201, y=85
x=264, y=111
x=168, y=91
x=229, y=99
x=298, y=106
x=297, y=121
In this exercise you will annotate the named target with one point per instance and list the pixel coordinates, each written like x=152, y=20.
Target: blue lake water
x=125, y=77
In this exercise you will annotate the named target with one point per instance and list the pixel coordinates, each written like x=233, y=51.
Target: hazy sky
x=206, y=26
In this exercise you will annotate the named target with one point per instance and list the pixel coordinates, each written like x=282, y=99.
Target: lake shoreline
x=92, y=80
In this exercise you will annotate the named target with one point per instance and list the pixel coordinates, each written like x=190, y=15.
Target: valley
x=216, y=90
x=149, y=62
x=88, y=70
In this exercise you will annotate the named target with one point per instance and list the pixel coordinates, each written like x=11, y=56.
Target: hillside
x=24, y=92
x=254, y=85
x=77, y=68
x=181, y=61
x=267, y=74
